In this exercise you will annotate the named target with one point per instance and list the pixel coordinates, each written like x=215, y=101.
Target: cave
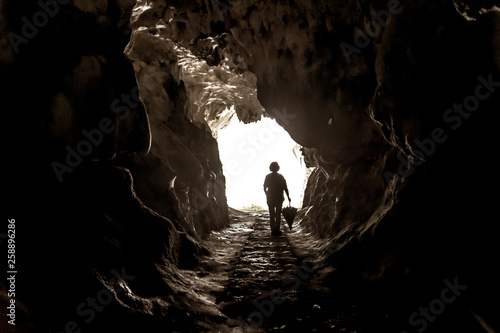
x=115, y=198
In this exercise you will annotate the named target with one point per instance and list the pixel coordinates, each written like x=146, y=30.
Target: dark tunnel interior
x=116, y=212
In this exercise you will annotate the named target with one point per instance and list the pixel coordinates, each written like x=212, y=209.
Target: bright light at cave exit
x=246, y=150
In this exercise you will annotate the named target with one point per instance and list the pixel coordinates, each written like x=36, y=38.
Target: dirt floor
x=265, y=283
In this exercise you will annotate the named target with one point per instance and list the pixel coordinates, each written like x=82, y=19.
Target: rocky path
x=266, y=283
x=257, y=290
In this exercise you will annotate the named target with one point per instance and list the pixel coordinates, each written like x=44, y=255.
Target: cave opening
x=246, y=151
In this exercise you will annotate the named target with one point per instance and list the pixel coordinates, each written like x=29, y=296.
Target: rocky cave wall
x=394, y=102
x=396, y=198
x=110, y=192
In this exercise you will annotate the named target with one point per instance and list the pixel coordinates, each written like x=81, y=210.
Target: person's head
x=274, y=167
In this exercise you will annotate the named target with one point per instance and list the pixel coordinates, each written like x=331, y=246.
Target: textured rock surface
x=93, y=229
x=402, y=185
x=393, y=164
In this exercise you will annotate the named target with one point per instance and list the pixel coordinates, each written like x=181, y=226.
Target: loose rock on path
x=265, y=283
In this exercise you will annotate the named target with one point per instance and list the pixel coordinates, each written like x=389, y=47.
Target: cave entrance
x=246, y=150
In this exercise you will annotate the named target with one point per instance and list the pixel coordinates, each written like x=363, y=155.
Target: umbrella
x=289, y=214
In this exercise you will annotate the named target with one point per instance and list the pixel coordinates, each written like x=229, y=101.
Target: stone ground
x=265, y=283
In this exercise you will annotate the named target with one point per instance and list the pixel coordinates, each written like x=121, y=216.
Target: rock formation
x=113, y=169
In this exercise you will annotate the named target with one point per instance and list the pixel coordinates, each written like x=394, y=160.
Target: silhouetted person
x=274, y=185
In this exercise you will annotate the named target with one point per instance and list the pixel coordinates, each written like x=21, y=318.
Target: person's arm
x=265, y=186
x=287, y=194
x=286, y=189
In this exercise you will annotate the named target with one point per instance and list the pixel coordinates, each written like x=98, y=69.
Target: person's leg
x=271, y=214
x=276, y=220
x=275, y=226
x=278, y=217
